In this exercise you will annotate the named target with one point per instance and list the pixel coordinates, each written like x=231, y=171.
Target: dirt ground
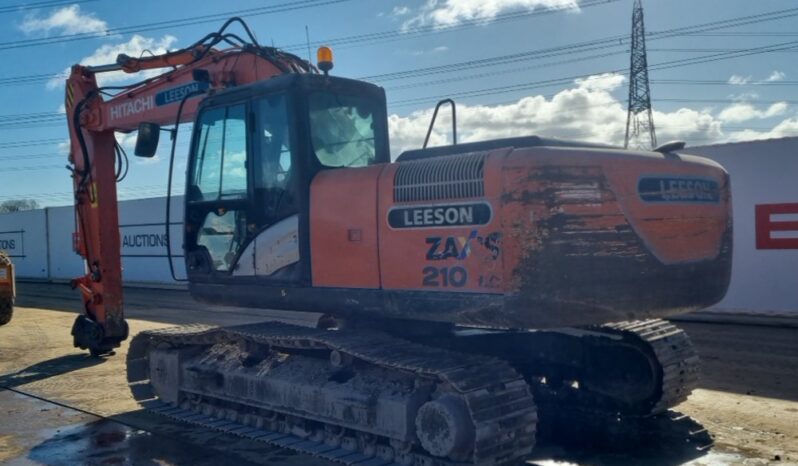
x=749, y=389
x=748, y=399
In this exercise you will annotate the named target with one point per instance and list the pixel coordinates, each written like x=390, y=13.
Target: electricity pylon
x=639, y=120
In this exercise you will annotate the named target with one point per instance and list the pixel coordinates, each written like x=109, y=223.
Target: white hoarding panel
x=142, y=234
x=142, y=229
x=764, y=178
x=65, y=263
x=23, y=235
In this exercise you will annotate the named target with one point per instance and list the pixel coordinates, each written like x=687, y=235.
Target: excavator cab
x=254, y=152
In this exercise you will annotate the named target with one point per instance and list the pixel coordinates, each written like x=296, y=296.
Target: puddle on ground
x=100, y=442
x=109, y=442
x=112, y=442
x=106, y=442
x=710, y=459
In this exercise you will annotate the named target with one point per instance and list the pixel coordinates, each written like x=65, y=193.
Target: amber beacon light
x=324, y=56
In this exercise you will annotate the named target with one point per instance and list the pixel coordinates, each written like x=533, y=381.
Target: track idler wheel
x=444, y=427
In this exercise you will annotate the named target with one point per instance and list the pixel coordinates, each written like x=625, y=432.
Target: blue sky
x=742, y=98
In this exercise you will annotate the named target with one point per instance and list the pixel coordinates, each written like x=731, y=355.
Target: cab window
x=275, y=143
x=217, y=188
x=275, y=181
x=342, y=129
x=220, y=167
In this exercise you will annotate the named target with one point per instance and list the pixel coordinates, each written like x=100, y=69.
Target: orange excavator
x=467, y=290
x=7, y=288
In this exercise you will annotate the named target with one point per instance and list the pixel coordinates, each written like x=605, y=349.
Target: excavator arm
x=97, y=161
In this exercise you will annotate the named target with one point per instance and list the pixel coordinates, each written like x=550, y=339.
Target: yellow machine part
x=7, y=288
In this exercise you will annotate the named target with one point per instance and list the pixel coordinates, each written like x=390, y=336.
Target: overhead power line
x=32, y=168
x=32, y=120
x=392, y=35
x=747, y=34
x=29, y=120
x=65, y=196
x=596, y=44
x=30, y=143
x=170, y=24
x=272, y=9
x=24, y=157
x=371, y=38
x=48, y=155
x=570, y=79
x=42, y=4
x=705, y=50
x=44, y=118
x=720, y=82
x=593, y=45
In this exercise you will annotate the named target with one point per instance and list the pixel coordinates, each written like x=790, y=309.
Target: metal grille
x=440, y=178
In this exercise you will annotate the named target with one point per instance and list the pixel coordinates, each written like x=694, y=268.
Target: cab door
x=273, y=253
x=241, y=214
x=217, y=193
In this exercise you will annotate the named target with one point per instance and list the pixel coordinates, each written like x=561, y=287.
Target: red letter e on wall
x=786, y=231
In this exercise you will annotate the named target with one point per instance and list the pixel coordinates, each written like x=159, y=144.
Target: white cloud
x=127, y=140
x=128, y=143
x=601, y=82
x=400, y=10
x=687, y=124
x=785, y=128
x=419, y=52
x=66, y=20
x=776, y=76
x=587, y=111
x=739, y=80
x=450, y=12
x=739, y=112
x=744, y=96
x=135, y=47
x=63, y=147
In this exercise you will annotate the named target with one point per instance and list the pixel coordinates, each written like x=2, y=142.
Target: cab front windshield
x=342, y=129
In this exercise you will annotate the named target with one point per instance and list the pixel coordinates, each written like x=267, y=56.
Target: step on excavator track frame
x=502, y=412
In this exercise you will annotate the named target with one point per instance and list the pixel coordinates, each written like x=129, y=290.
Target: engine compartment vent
x=441, y=178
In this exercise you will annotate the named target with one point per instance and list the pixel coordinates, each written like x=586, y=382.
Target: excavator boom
x=97, y=159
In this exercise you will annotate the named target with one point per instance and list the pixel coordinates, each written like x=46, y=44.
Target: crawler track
x=643, y=368
x=675, y=353
x=500, y=406
x=580, y=418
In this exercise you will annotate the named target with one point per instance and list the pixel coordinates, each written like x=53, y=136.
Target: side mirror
x=147, y=139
